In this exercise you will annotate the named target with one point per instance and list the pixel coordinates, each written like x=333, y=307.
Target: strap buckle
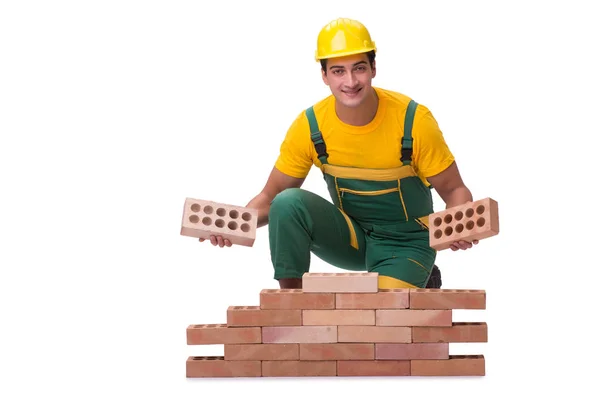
x=406, y=154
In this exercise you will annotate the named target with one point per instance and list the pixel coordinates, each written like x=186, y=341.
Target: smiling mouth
x=352, y=92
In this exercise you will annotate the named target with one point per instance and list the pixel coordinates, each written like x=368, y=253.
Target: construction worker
x=380, y=153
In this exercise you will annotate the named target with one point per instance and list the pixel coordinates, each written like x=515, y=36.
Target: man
x=380, y=153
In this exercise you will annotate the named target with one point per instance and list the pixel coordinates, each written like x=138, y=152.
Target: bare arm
x=276, y=183
x=451, y=188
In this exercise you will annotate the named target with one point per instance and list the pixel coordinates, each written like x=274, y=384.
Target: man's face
x=349, y=78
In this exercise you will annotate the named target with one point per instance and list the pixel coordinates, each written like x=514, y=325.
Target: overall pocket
x=372, y=201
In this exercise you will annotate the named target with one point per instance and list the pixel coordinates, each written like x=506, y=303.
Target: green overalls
x=378, y=221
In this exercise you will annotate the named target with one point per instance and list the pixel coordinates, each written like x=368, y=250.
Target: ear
x=324, y=77
x=374, y=70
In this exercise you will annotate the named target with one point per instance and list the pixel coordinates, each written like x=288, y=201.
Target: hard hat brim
x=344, y=53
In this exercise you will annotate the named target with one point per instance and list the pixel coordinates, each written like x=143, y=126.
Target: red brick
x=413, y=317
x=373, y=368
x=456, y=365
x=270, y=351
x=202, y=218
x=384, y=299
x=218, y=367
x=221, y=334
x=295, y=299
x=299, y=334
x=338, y=317
x=375, y=334
x=254, y=316
x=337, y=351
x=345, y=282
x=469, y=221
x=444, y=299
x=411, y=351
x=299, y=368
x=458, y=332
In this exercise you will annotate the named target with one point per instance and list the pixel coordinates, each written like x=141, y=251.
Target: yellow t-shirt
x=375, y=145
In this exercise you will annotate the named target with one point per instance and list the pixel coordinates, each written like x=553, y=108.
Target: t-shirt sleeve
x=432, y=154
x=295, y=156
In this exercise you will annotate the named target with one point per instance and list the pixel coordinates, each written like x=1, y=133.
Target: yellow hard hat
x=343, y=37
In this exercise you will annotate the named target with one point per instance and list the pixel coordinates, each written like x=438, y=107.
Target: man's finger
x=227, y=243
x=213, y=240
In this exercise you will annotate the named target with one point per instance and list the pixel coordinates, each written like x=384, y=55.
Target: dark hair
x=370, y=55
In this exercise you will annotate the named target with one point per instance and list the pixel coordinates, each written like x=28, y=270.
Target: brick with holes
x=475, y=220
x=384, y=298
x=295, y=299
x=218, y=367
x=203, y=218
x=340, y=282
x=458, y=332
x=222, y=334
x=254, y=316
x=299, y=368
x=413, y=317
x=446, y=299
x=373, y=367
x=455, y=365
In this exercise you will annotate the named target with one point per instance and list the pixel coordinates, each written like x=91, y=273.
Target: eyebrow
x=354, y=65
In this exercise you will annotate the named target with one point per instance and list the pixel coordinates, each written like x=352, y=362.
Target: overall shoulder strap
x=407, y=139
x=316, y=136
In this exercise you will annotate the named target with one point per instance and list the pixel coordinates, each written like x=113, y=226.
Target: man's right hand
x=277, y=182
x=218, y=241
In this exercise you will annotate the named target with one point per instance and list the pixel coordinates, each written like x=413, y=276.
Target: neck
x=361, y=115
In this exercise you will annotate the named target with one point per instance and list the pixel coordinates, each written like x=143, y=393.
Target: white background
x=113, y=112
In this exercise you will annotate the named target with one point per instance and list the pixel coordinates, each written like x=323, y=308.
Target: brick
x=346, y=282
x=221, y=334
x=456, y=365
x=374, y=334
x=439, y=299
x=413, y=317
x=459, y=332
x=283, y=351
x=412, y=351
x=384, y=299
x=373, y=368
x=337, y=351
x=254, y=316
x=469, y=221
x=299, y=334
x=202, y=218
x=295, y=299
x=299, y=368
x=338, y=317
x=218, y=367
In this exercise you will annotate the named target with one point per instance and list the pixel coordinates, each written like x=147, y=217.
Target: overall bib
x=378, y=221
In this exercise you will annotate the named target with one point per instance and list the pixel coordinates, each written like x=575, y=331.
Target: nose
x=351, y=80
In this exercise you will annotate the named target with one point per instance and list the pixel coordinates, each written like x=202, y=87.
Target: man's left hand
x=463, y=245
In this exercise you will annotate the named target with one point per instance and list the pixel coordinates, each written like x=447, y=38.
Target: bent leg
x=402, y=260
x=301, y=223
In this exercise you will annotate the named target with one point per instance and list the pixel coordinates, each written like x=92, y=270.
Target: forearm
x=458, y=196
x=262, y=202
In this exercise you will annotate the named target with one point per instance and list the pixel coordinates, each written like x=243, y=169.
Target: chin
x=352, y=103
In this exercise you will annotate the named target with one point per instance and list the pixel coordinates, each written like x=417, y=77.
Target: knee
x=286, y=201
